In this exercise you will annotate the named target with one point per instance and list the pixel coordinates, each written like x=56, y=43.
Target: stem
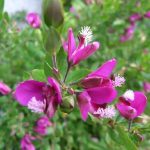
x=74, y=83
x=68, y=68
x=129, y=125
x=54, y=61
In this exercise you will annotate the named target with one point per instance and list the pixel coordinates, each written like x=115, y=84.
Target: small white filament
x=129, y=95
x=119, y=81
x=108, y=112
x=36, y=106
x=86, y=32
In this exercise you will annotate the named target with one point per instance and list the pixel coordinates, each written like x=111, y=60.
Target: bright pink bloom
x=26, y=142
x=101, y=76
x=83, y=50
x=42, y=124
x=33, y=20
x=146, y=86
x=4, y=89
x=40, y=97
x=99, y=90
x=132, y=104
x=135, y=17
x=147, y=15
x=128, y=33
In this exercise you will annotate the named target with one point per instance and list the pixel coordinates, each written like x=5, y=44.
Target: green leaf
x=1, y=6
x=77, y=75
x=126, y=141
x=62, y=61
x=48, y=65
x=26, y=75
x=38, y=74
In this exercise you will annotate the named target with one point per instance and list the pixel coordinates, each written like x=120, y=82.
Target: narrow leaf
x=76, y=75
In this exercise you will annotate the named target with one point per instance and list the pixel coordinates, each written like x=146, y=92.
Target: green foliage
x=77, y=75
x=1, y=6
x=38, y=74
x=23, y=50
x=62, y=61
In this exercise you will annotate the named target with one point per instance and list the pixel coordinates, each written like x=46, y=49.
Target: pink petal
x=105, y=70
x=71, y=43
x=83, y=53
x=147, y=15
x=146, y=86
x=28, y=89
x=102, y=95
x=95, y=81
x=4, y=89
x=26, y=142
x=55, y=85
x=52, y=107
x=126, y=111
x=139, y=103
x=33, y=20
x=65, y=46
x=84, y=104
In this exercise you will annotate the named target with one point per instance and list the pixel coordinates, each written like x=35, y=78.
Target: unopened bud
x=67, y=104
x=53, y=12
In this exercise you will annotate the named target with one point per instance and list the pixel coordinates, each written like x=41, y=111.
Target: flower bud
x=67, y=104
x=53, y=12
x=4, y=89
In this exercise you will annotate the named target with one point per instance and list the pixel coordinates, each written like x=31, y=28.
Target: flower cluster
x=133, y=19
x=40, y=128
x=42, y=124
x=95, y=93
x=98, y=88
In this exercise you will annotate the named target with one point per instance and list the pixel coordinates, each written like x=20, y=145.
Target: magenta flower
x=135, y=17
x=4, y=89
x=146, y=86
x=42, y=124
x=128, y=33
x=40, y=97
x=84, y=49
x=99, y=90
x=26, y=142
x=101, y=76
x=132, y=104
x=33, y=20
x=147, y=15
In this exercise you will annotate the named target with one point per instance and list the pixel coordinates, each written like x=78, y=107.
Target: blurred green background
x=22, y=50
